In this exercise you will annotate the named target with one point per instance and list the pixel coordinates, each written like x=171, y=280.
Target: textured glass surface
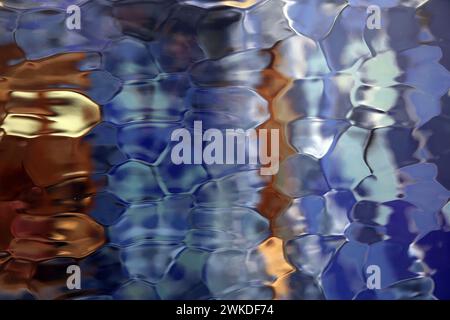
x=86, y=174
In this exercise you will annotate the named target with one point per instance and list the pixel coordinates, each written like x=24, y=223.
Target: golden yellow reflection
x=46, y=188
x=58, y=113
x=276, y=264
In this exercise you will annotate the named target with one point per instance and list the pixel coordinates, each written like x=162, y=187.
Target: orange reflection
x=45, y=185
x=273, y=202
x=276, y=265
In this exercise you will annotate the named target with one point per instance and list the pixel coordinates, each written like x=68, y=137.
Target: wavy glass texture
x=86, y=176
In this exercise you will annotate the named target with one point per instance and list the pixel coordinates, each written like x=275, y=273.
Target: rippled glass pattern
x=86, y=178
